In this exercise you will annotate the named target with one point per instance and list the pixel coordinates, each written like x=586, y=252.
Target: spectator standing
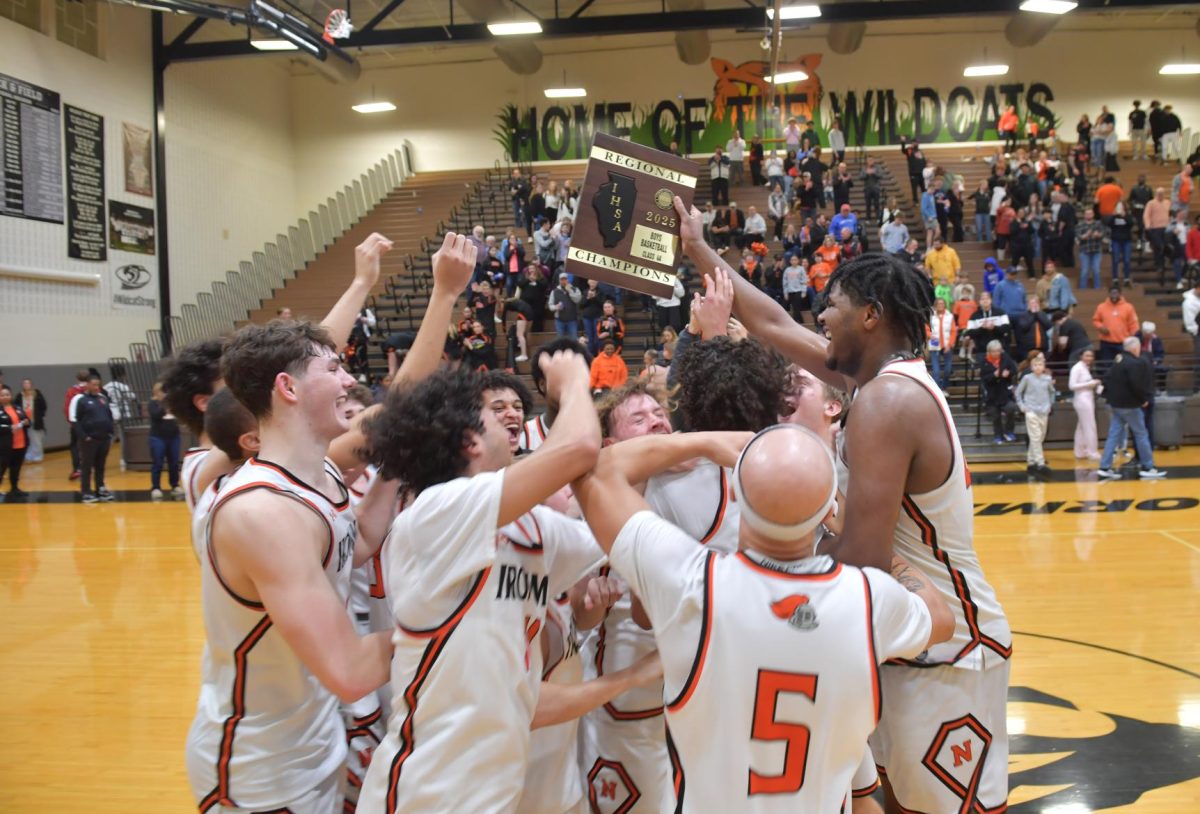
x=942, y=333
x=1156, y=218
x=736, y=150
x=1070, y=339
x=1061, y=297
x=1007, y=128
x=842, y=183
x=92, y=415
x=1155, y=120
x=1065, y=223
x=1035, y=398
x=546, y=246
x=777, y=208
x=81, y=378
x=872, y=190
x=893, y=236
x=775, y=174
x=1115, y=320
x=518, y=190
x=610, y=328
x=993, y=275
x=1104, y=126
x=608, y=369
x=1128, y=387
x=1108, y=195
x=997, y=374
x=564, y=304
x=1181, y=189
x=591, y=309
x=536, y=212
x=1192, y=250
x=987, y=324
x=1120, y=235
x=1139, y=196
x=982, y=198
x=756, y=162
x=1172, y=137
x=837, y=141
x=929, y=215
x=844, y=219
x=1155, y=352
x=670, y=308
x=552, y=200
x=164, y=445
x=1005, y=216
x=916, y=170
x=15, y=427
x=1031, y=329
x=1176, y=239
x=33, y=403
x=1089, y=239
x=795, y=288
x=1084, y=389
x=1009, y=293
x=718, y=171
x=533, y=293
x=1084, y=129
x=1137, y=132
x=792, y=134
x=1191, y=321
x=943, y=264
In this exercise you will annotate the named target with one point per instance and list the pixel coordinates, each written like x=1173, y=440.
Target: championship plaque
x=627, y=230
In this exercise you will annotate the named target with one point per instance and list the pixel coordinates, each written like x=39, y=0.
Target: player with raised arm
x=471, y=566
x=909, y=493
x=774, y=649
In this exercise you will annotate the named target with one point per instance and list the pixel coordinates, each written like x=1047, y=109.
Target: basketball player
x=534, y=433
x=912, y=495
x=190, y=379
x=470, y=568
x=233, y=433
x=773, y=649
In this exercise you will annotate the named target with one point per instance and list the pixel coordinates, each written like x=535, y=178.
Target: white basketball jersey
x=553, y=783
x=469, y=602
x=266, y=730
x=777, y=661
x=935, y=532
x=366, y=582
x=187, y=475
x=534, y=433
x=200, y=512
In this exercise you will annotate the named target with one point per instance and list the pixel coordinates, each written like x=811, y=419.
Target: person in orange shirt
x=14, y=432
x=829, y=251
x=608, y=369
x=1108, y=195
x=1007, y=128
x=818, y=277
x=1115, y=320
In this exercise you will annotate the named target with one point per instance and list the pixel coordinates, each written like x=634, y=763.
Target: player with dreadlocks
x=942, y=742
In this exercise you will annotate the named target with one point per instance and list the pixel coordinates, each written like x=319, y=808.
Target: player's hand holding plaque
x=627, y=229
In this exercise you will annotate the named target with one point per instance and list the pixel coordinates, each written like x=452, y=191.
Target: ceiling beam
x=382, y=15
x=609, y=25
x=185, y=35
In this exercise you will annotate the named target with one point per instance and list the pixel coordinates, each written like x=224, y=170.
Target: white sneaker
x=1108, y=473
x=156, y=494
x=1151, y=473
x=177, y=491
x=521, y=359
x=1179, y=286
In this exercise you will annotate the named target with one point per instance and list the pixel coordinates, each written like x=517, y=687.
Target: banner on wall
x=130, y=227
x=132, y=282
x=85, y=184
x=30, y=151
x=135, y=147
x=742, y=100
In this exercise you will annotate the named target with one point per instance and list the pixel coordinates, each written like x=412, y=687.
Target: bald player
x=907, y=492
x=773, y=649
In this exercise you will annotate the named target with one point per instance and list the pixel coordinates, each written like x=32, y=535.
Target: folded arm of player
x=882, y=457
x=255, y=539
x=916, y=582
x=559, y=703
x=453, y=265
x=340, y=319
x=375, y=513
x=764, y=318
x=571, y=446
x=607, y=494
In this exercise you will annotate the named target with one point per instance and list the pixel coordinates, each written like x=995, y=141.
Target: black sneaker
x=1045, y=470
x=107, y=496
x=90, y=498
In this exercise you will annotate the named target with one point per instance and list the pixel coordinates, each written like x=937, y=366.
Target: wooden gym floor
x=102, y=636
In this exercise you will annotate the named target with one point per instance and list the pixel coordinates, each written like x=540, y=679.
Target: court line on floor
x=86, y=548
x=1179, y=540
x=1118, y=651
x=1081, y=533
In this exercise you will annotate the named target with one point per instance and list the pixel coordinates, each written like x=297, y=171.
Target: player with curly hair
x=908, y=492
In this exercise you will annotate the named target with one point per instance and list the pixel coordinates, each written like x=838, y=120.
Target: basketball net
x=337, y=26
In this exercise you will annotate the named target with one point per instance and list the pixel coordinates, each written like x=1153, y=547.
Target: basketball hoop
x=337, y=26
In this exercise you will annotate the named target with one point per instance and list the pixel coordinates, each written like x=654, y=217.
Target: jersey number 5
x=771, y=684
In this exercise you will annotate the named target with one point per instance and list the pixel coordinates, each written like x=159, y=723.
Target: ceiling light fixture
x=274, y=45
x=795, y=12
x=787, y=76
x=373, y=107
x=1180, y=69
x=1048, y=6
x=565, y=93
x=515, y=29
x=985, y=70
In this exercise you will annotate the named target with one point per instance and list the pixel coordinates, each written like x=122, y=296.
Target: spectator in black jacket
x=1031, y=329
x=1070, y=341
x=164, y=444
x=1129, y=387
x=92, y=416
x=14, y=440
x=31, y=400
x=998, y=376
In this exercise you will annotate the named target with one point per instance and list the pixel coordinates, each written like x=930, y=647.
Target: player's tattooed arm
x=909, y=576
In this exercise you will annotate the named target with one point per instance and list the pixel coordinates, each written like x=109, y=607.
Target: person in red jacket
x=81, y=377
x=1192, y=252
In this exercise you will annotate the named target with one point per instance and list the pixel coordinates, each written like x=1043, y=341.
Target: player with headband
x=746, y=639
